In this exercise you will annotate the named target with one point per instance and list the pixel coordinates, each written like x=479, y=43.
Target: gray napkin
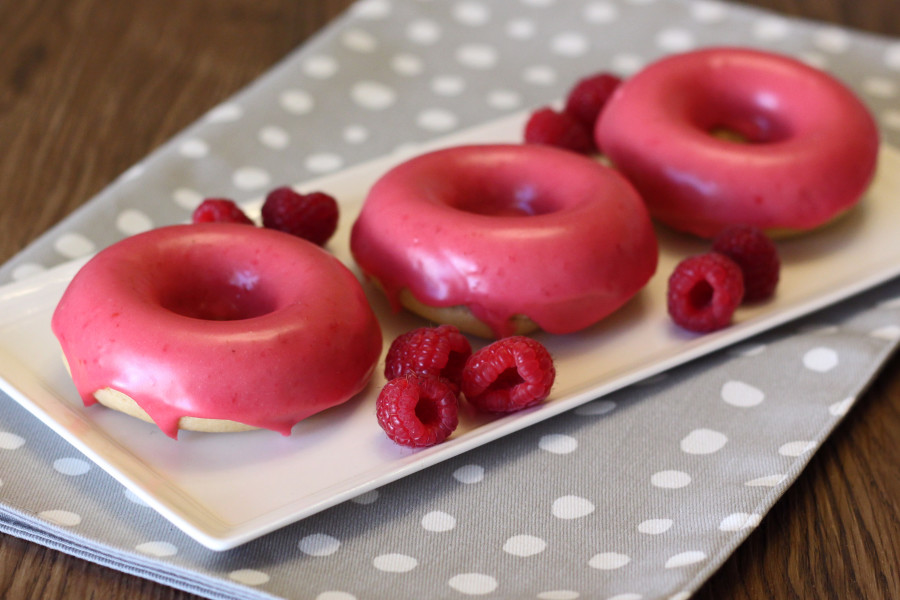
x=639, y=494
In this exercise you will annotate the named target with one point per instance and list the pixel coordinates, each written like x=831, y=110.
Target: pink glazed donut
x=513, y=236
x=210, y=326
x=807, y=153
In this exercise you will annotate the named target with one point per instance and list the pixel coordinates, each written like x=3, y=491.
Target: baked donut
x=217, y=327
x=806, y=154
x=507, y=237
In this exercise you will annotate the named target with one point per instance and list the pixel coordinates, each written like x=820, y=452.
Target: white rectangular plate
x=226, y=489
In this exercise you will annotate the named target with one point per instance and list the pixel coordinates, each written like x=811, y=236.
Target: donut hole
x=219, y=296
x=484, y=196
x=751, y=119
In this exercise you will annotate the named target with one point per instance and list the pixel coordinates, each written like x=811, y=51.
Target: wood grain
x=73, y=71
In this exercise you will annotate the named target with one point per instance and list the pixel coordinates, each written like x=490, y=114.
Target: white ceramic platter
x=226, y=489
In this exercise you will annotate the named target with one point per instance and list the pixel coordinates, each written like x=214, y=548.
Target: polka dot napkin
x=641, y=494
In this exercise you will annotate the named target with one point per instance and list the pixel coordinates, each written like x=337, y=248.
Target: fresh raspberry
x=219, y=210
x=417, y=410
x=437, y=351
x=508, y=375
x=312, y=216
x=756, y=255
x=704, y=291
x=588, y=96
x=552, y=128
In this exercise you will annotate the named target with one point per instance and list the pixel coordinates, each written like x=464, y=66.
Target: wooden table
x=70, y=69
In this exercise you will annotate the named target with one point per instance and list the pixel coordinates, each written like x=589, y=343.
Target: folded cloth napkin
x=640, y=494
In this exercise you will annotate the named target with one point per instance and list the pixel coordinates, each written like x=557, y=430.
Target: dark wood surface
x=70, y=69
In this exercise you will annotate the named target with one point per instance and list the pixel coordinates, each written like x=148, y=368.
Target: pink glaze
x=507, y=230
x=811, y=151
x=219, y=321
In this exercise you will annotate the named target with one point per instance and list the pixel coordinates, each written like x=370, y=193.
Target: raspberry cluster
x=705, y=290
x=428, y=367
x=312, y=216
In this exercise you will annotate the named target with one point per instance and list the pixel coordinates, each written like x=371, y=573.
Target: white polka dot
x=472, y=14
x=626, y=596
x=820, y=359
x=359, y=40
x=892, y=56
x=26, y=270
x=601, y=12
x=832, y=39
x=133, y=172
x=569, y=43
x=559, y=595
x=355, y=134
x=703, y=441
x=132, y=221
x=366, y=497
x=670, y=479
x=814, y=59
x=504, y=99
x=373, y=95
x=407, y=64
x=71, y=466
x=655, y=526
x=249, y=577
x=395, y=563
x=738, y=521
x=539, y=75
x=73, y=245
x=626, y=64
x=187, y=198
x=524, y=545
x=675, y=40
x=767, y=481
x=477, y=56
x=521, y=29
x=681, y=596
x=335, y=595
x=10, y=441
x=319, y=544
x=448, y=85
x=539, y=3
x=796, y=448
x=371, y=9
x=436, y=119
x=438, y=521
x=707, y=11
x=159, y=549
x=890, y=333
x=134, y=498
x=193, y=148
x=469, y=474
x=473, y=584
x=571, y=507
x=685, y=558
x=250, y=178
x=225, y=113
x=320, y=66
x=771, y=28
x=323, y=162
x=423, y=31
x=839, y=409
x=880, y=87
x=596, y=408
x=274, y=137
x=891, y=119
x=744, y=395
x=296, y=102
x=558, y=444
x=64, y=518
x=608, y=561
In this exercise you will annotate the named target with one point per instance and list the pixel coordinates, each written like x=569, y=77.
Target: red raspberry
x=417, y=410
x=437, y=351
x=311, y=216
x=219, y=210
x=508, y=375
x=704, y=291
x=551, y=128
x=588, y=96
x=756, y=255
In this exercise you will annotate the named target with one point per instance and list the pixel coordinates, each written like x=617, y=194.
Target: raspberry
x=311, y=216
x=757, y=257
x=437, y=351
x=704, y=291
x=588, y=96
x=417, y=410
x=219, y=210
x=508, y=375
x=551, y=128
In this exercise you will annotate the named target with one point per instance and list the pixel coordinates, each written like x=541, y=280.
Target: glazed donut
x=807, y=153
x=505, y=235
x=217, y=327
